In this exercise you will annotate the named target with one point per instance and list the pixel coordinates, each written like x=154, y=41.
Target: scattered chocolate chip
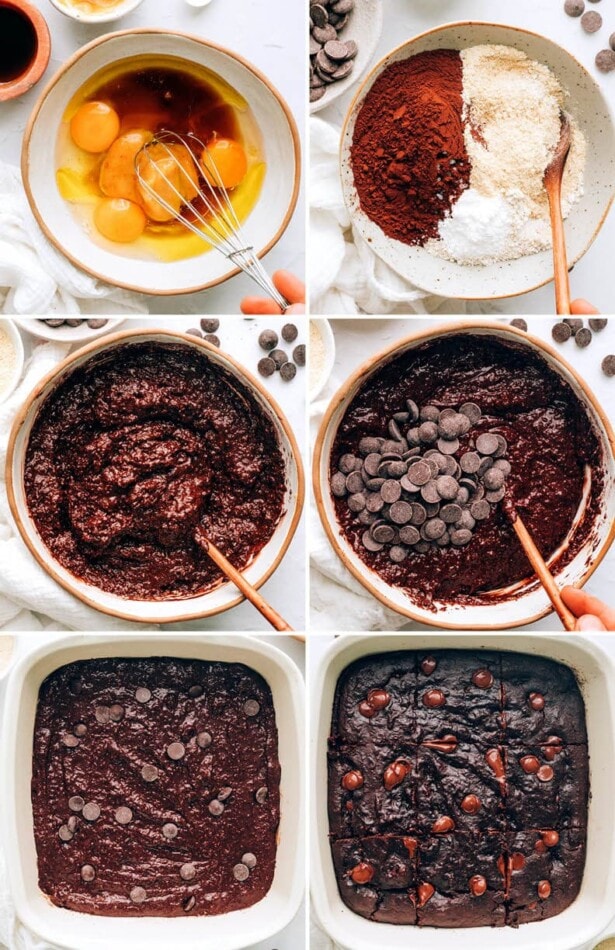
x=170, y=830
x=612, y=40
x=544, y=890
x=138, y=895
x=536, y=701
x=87, y=873
x=241, y=872
x=425, y=892
x=362, y=873
x=123, y=815
x=102, y=714
x=225, y=792
x=598, y=324
x=116, y=712
x=352, y=780
x=289, y=332
x=519, y=323
x=249, y=860
x=149, y=773
x=261, y=795
x=76, y=803
x=550, y=838
x=530, y=764
x=70, y=741
x=251, y=707
x=288, y=371
x=97, y=323
x=545, y=773
x=608, y=365
x=194, y=331
x=478, y=885
x=279, y=357
x=65, y=834
x=187, y=872
x=80, y=730
x=442, y=826
x=575, y=323
x=605, y=62
x=266, y=366
x=268, y=340
x=591, y=22
x=583, y=337
x=395, y=773
x=176, y=751
x=189, y=903
x=483, y=679
x=216, y=808
x=203, y=740
x=429, y=665
x=471, y=804
x=434, y=698
x=561, y=332
x=210, y=324
x=195, y=691
x=212, y=338
x=143, y=695
x=574, y=7
x=91, y=811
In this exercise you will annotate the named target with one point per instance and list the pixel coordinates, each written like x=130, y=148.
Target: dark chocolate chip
x=583, y=337
x=574, y=7
x=170, y=830
x=480, y=510
x=203, y=740
x=70, y=741
x=88, y=873
x=210, y=324
x=279, y=357
x=266, y=366
x=76, y=803
x=241, y=872
x=116, y=712
x=187, y=872
x=561, y=332
x=575, y=323
x=249, y=860
x=212, y=338
x=288, y=371
x=397, y=553
x=472, y=411
x=194, y=331
x=123, y=815
x=102, y=714
x=608, y=365
x=149, y=773
x=138, y=895
x=251, y=707
x=299, y=354
x=409, y=535
x=268, y=340
x=460, y=537
x=390, y=491
x=591, y=22
x=80, y=730
x=597, y=324
x=176, y=751
x=65, y=834
x=289, y=332
x=215, y=808
x=519, y=323
x=143, y=695
x=91, y=811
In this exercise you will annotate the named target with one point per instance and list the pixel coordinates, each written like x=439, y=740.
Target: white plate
x=13, y=334
x=64, y=334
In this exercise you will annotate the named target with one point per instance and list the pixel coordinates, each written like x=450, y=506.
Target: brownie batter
x=550, y=441
x=137, y=448
x=155, y=787
x=458, y=788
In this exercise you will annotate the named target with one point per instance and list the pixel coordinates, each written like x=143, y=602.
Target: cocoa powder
x=408, y=154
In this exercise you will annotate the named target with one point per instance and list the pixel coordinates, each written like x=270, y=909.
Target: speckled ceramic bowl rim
x=48, y=564
x=363, y=372
x=368, y=79
x=56, y=241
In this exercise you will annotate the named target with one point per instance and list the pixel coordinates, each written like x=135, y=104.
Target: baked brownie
x=451, y=753
x=155, y=787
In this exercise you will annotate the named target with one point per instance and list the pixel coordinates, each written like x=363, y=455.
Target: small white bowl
x=365, y=28
x=328, y=341
x=118, y=10
x=65, y=334
x=264, y=226
x=509, y=278
x=15, y=338
x=212, y=602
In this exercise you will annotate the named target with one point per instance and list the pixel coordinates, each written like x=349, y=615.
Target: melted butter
x=225, y=112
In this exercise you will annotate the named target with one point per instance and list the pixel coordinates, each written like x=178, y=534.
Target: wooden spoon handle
x=544, y=574
x=560, y=257
x=249, y=592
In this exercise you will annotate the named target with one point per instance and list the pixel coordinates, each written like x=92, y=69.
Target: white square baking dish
x=581, y=925
x=77, y=931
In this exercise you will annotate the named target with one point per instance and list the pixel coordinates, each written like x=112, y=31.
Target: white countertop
x=356, y=339
x=293, y=937
x=285, y=590
x=259, y=30
x=592, y=276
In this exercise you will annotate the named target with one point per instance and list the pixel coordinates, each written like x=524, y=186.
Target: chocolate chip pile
x=277, y=360
x=207, y=330
x=574, y=328
x=94, y=323
x=591, y=22
x=331, y=59
x=411, y=492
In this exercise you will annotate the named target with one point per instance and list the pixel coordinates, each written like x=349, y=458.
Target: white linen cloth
x=25, y=588
x=346, y=277
x=34, y=277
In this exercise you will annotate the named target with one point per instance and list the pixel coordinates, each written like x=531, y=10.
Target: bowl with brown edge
x=525, y=601
x=222, y=595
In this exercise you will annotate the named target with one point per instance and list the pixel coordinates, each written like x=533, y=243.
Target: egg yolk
x=167, y=173
x=118, y=178
x=228, y=159
x=119, y=220
x=94, y=126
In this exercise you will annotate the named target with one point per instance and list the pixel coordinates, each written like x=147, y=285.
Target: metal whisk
x=217, y=223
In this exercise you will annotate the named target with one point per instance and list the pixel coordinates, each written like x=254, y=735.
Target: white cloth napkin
x=346, y=277
x=25, y=588
x=337, y=600
x=34, y=277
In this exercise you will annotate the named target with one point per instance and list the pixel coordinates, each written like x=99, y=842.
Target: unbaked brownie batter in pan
x=155, y=787
x=458, y=788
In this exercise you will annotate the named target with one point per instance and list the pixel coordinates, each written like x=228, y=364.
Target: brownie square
x=372, y=808
x=468, y=685
x=393, y=675
x=541, y=700
x=462, y=786
x=388, y=867
x=461, y=883
x=543, y=881
x=555, y=795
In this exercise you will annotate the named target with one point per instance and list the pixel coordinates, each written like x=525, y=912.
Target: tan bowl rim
x=120, y=337
x=136, y=288
x=445, y=329
x=24, y=82
x=470, y=23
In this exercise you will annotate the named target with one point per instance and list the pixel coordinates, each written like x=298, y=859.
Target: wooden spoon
x=553, y=184
x=249, y=592
x=540, y=567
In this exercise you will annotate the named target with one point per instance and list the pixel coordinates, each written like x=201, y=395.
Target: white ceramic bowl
x=582, y=924
x=365, y=28
x=529, y=603
x=115, y=12
x=263, y=227
x=65, y=334
x=219, y=599
x=15, y=338
x=585, y=102
x=77, y=931
x=328, y=341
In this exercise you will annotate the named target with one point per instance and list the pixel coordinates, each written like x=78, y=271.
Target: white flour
x=512, y=113
x=8, y=359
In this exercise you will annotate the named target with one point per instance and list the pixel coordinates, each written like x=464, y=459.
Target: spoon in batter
x=250, y=593
x=554, y=173
x=539, y=564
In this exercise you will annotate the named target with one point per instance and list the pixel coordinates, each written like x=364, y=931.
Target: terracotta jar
x=25, y=46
